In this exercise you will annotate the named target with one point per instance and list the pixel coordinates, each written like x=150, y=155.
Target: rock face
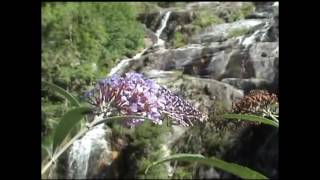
x=246, y=60
x=265, y=60
x=204, y=93
x=221, y=32
x=247, y=84
x=151, y=20
x=219, y=64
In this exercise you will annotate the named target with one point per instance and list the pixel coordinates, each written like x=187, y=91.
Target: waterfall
x=86, y=152
x=125, y=62
x=163, y=24
x=122, y=64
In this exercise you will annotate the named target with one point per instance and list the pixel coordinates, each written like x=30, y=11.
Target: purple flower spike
x=134, y=95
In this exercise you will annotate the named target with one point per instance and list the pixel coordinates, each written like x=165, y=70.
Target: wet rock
x=217, y=66
x=220, y=32
x=235, y=65
x=151, y=20
x=203, y=93
x=258, y=15
x=247, y=84
x=217, y=61
x=264, y=58
x=269, y=32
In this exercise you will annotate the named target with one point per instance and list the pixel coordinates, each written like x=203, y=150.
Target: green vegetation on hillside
x=80, y=43
x=179, y=40
x=238, y=32
x=206, y=17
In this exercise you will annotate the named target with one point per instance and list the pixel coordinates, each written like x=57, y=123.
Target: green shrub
x=180, y=5
x=150, y=135
x=80, y=43
x=157, y=173
x=247, y=9
x=147, y=139
x=206, y=17
x=82, y=40
x=146, y=7
x=236, y=14
x=182, y=173
x=179, y=40
x=238, y=32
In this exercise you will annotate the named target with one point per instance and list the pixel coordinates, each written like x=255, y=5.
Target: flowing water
x=125, y=62
x=163, y=24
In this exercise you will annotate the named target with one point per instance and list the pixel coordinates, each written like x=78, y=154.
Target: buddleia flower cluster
x=132, y=94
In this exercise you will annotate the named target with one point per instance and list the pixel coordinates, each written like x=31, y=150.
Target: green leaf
x=238, y=170
x=253, y=118
x=68, y=121
x=46, y=152
x=73, y=101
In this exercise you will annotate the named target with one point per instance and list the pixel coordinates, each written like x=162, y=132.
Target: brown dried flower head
x=255, y=102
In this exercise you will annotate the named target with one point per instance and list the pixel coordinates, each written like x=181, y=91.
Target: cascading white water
x=125, y=62
x=92, y=144
x=247, y=41
x=163, y=24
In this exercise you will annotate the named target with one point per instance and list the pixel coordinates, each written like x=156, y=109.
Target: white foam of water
x=188, y=48
x=163, y=23
x=249, y=40
x=265, y=31
x=123, y=63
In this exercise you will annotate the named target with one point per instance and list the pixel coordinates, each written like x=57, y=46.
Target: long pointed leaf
x=238, y=170
x=47, y=152
x=68, y=121
x=253, y=118
x=73, y=101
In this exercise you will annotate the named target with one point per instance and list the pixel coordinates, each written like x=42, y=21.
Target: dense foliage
x=80, y=43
